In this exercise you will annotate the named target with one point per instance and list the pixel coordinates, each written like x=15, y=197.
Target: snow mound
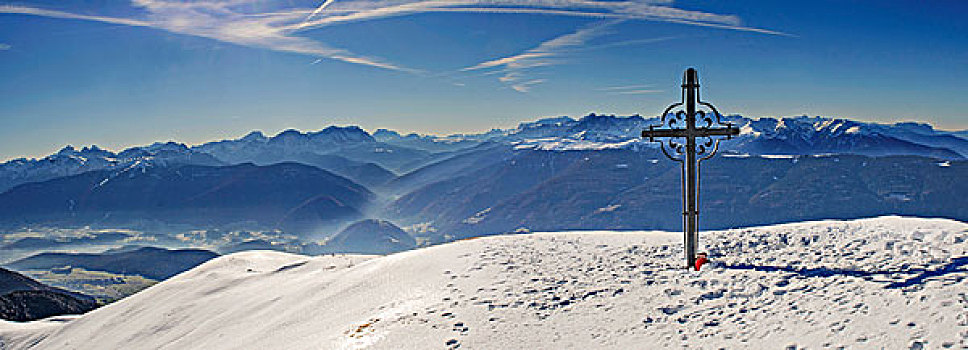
x=886, y=282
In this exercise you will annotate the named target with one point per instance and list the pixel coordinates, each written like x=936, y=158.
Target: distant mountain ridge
x=30, y=305
x=11, y=281
x=71, y=161
x=151, y=262
x=24, y=299
x=371, y=237
x=789, y=136
x=403, y=153
x=628, y=189
x=351, y=142
x=289, y=195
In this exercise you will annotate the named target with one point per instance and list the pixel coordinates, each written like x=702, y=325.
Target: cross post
x=690, y=151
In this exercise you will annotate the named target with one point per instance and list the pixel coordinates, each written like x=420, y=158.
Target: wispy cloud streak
x=233, y=21
x=25, y=10
x=220, y=21
x=526, y=86
x=318, y=10
x=541, y=54
x=630, y=10
x=545, y=54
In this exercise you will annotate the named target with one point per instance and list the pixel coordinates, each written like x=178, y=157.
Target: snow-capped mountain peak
x=255, y=136
x=342, y=134
x=92, y=151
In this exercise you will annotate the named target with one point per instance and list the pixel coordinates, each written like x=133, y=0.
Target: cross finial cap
x=690, y=78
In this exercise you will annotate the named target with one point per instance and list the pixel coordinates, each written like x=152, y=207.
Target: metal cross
x=690, y=150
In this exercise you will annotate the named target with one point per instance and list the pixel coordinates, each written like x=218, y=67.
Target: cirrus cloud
x=278, y=29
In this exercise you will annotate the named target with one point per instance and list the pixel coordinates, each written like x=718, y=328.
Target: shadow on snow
x=955, y=266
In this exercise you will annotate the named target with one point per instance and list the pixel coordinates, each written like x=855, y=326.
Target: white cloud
x=318, y=10
x=545, y=54
x=59, y=14
x=526, y=86
x=628, y=43
x=351, y=11
x=4, y=47
x=235, y=21
x=220, y=20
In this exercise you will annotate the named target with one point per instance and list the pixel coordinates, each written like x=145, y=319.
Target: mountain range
x=558, y=173
x=352, y=147
x=287, y=195
x=151, y=262
x=371, y=237
x=24, y=299
x=623, y=189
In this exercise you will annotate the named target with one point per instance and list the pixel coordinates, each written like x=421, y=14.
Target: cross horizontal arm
x=730, y=131
x=698, y=132
x=653, y=133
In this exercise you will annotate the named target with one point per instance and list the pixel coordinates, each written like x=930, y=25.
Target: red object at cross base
x=701, y=260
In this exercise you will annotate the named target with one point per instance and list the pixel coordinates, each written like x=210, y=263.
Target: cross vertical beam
x=691, y=215
x=690, y=151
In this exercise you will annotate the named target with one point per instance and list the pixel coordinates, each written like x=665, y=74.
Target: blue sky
x=123, y=73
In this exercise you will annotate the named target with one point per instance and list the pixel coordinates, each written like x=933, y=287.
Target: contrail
x=318, y=9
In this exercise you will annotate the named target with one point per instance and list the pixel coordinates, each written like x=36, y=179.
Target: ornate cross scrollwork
x=689, y=144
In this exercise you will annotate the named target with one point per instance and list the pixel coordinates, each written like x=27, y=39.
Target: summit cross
x=690, y=153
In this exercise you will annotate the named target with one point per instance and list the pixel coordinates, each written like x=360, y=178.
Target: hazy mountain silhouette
x=151, y=262
x=287, y=195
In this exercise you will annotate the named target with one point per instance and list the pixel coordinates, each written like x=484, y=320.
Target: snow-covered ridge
x=887, y=282
x=288, y=141
x=801, y=135
x=795, y=136
x=71, y=161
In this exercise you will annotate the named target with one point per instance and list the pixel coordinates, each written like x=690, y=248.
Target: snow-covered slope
x=886, y=282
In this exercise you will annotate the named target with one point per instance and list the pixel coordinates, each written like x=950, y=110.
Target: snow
x=899, y=197
x=478, y=217
x=778, y=156
x=888, y=282
x=608, y=208
x=747, y=129
x=572, y=144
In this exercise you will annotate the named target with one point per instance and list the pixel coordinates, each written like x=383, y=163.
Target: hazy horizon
x=371, y=129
